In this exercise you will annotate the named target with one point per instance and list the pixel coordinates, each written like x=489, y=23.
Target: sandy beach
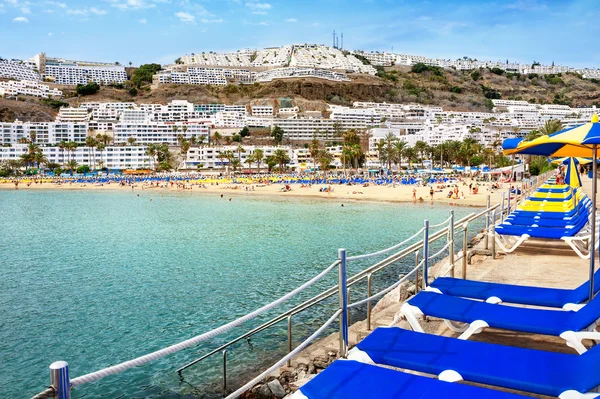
x=373, y=193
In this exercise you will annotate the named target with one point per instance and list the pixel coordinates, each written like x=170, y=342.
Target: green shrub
x=88, y=89
x=456, y=89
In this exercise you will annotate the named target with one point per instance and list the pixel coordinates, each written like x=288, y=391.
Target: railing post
x=349, y=322
x=426, y=255
x=502, y=209
x=464, y=259
x=369, y=277
x=417, y=282
x=289, y=323
x=225, y=373
x=60, y=381
x=487, y=223
x=451, y=242
x=508, y=202
x=343, y=293
x=493, y=234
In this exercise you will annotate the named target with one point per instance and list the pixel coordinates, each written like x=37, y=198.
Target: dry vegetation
x=453, y=90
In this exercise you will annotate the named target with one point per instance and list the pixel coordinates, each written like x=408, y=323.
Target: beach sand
x=340, y=193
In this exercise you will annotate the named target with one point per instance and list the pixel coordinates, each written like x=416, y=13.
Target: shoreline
x=374, y=194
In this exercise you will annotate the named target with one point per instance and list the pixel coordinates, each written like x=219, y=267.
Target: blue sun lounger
x=518, y=294
x=545, y=373
x=348, y=379
x=571, y=325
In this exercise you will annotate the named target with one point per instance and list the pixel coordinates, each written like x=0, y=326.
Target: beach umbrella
x=579, y=141
x=566, y=160
x=572, y=175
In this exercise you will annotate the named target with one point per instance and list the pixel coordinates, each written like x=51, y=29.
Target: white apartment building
x=366, y=117
x=262, y=110
x=15, y=69
x=72, y=115
x=27, y=88
x=113, y=157
x=229, y=119
x=212, y=158
x=377, y=58
x=214, y=108
x=117, y=106
x=47, y=133
x=73, y=75
x=300, y=72
x=159, y=132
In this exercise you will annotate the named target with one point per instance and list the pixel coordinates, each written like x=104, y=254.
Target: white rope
x=439, y=252
x=365, y=256
x=91, y=377
x=435, y=226
x=280, y=363
x=388, y=289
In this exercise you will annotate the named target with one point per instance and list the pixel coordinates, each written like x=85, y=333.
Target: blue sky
x=144, y=31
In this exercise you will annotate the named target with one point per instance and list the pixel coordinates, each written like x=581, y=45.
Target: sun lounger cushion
x=528, y=370
x=348, y=379
x=538, y=321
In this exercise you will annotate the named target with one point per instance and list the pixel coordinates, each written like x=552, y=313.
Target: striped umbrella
x=572, y=175
x=579, y=141
x=566, y=160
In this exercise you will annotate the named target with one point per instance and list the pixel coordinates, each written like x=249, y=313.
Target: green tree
x=552, y=126
x=281, y=157
x=314, y=149
x=71, y=165
x=277, y=133
x=245, y=132
x=325, y=159
x=143, y=75
x=216, y=137
x=87, y=89
x=259, y=156
x=421, y=148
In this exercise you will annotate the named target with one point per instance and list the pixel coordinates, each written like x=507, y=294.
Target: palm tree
x=185, y=147
x=281, y=157
x=552, y=126
x=222, y=157
x=380, y=148
x=250, y=161
x=217, y=138
x=470, y=147
x=314, y=150
x=152, y=151
x=258, y=156
x=532, y=135
x=71, y=165
x=325, y=159
x=100, y=147
x=90, y=143
x=347, y=153
x=410, y=154
x=131, y=141
x=421, y=148
x=235, y=163
x=399, y=147
x=389, y=140
x=240, y=149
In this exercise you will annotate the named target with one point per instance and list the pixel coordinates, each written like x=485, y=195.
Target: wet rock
x=311, y=368
x=276, y=389
x=264, y=392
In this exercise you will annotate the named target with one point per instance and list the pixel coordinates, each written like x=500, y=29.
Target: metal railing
x=61, y=383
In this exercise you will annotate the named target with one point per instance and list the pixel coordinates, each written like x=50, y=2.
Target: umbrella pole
x=593, y=235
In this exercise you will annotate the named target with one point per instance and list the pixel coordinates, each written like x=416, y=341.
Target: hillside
x=453, y=90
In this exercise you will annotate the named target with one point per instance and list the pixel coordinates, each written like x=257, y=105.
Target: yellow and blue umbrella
x=578, y=141
x=567, y=160
x=572, y=175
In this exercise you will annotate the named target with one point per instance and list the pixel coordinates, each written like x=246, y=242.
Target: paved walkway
x=538, y=263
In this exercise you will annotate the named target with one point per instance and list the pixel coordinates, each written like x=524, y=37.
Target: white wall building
x=15, y=69
x=14, y=88
x=159, y=132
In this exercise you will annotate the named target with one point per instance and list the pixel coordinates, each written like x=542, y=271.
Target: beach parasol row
x=579, y=141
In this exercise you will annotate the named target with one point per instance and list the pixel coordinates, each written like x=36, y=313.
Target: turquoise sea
x=97, y=278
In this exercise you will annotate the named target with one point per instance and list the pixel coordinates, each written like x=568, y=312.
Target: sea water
x=96, y=278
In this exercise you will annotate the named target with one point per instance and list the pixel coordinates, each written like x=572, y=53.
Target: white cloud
x=20, y=19
x=86, y=11
x=143, y=21
x=26, y=10
x=49, y=33
x=185, y=17
x=56, y=4
x=211, y=21
x=291, y=20
x=135, y=4
x=258, y=8
x=13, y=2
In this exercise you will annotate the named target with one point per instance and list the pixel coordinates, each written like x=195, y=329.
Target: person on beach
x=414, y=194
x=431, y=193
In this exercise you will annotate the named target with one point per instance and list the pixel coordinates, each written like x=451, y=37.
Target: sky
x=144, y=31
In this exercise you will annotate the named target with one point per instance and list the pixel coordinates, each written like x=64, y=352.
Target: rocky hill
x=453, y=90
